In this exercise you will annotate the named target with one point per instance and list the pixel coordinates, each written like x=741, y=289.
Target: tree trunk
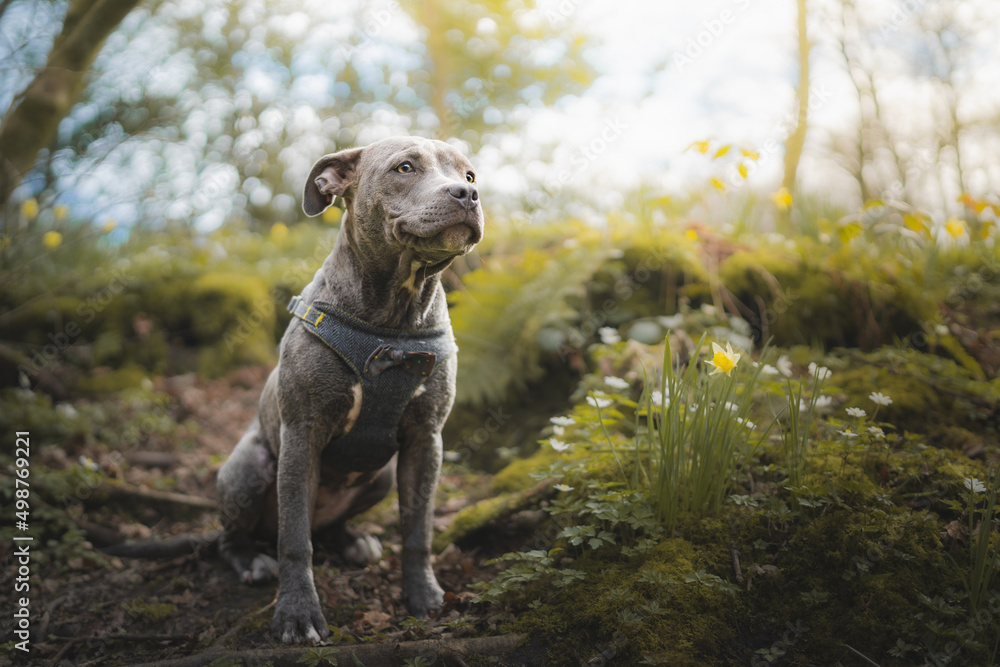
x=32, y=121
x=796, y=140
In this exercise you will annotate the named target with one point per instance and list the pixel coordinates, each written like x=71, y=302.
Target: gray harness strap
x=391, y=365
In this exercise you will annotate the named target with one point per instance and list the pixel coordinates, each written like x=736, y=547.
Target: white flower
x=878, y=398
x=732, y=406
x=856, y=412
x=784, y=365
x=559, y=445
x=562, y=487
x=769, y=370
x=609, y=335
x=975, y=485
x=876, y=431
x=819, y=372
x=563, y=421
x=941, y=330
x=559, y=430
x=599, y=402
x=67, y=410
x=848, y=433
x=822, y=401
x=656, y=397
x=616, y=383
x=746, y=422
x=89, y=464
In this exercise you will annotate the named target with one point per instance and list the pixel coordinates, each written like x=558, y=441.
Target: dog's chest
x=390, y=367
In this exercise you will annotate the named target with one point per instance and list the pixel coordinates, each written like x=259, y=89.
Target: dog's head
x=408, y=192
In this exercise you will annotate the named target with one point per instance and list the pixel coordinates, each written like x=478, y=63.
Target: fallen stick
x=736, y=562
x=389, y=654
x=132, y=493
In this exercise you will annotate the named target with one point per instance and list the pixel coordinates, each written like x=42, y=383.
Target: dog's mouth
x=455, y=237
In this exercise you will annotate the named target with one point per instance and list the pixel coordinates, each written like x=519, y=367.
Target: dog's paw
x=423, y=597
x=262, y=569
x=362, y=550
x=299, y=622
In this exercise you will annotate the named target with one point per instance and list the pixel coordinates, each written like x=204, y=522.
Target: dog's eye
x=470, y=177
x=405, y=168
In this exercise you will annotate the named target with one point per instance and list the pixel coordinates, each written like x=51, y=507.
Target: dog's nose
x=465, y=193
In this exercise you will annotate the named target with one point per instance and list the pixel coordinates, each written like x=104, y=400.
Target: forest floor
x=97, y=611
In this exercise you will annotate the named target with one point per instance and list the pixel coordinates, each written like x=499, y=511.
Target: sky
x=725, y=71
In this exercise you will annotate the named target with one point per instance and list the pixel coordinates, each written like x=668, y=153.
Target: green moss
x=796, y=299
x=517, y=475
x=477, y=517
x=34, y=321
x=839, y=572
x=235, y=317
x=151, y=611
x=642, y=607
x=127, y=377
x=220, y=300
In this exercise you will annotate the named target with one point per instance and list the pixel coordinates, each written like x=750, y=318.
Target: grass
x=698, y=435
x=795, y=439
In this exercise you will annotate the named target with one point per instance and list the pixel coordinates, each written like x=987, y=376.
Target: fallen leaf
x=956, y=531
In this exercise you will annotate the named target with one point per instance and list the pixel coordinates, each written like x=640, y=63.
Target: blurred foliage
x=212, y=113
x=175, y=300
x=158, y=303
x=516, y=308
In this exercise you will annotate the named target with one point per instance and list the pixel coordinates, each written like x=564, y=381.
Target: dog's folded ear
x=333, y=174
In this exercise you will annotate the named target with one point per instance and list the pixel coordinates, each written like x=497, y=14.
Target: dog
x=363, y=386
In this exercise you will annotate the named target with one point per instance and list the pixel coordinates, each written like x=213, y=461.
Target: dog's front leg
x=298, y=617
x=417, y=473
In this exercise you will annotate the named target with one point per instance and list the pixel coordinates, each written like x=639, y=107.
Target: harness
x=391, y=365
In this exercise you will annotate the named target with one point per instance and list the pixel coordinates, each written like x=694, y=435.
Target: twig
x=736, y=562
x=129, y=492
x=372, y=655
x=218, y=643
x=860, y=655
x=140, y=638
x=66, y=647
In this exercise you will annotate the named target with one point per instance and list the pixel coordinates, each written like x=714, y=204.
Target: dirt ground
x=107, y=611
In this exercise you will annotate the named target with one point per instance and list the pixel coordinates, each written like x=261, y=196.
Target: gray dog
x=366, y=374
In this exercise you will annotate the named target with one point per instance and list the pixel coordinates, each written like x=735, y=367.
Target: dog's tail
x=182, y=545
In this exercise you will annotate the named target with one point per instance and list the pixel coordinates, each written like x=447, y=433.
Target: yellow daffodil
x=691, y=235
x=700, y=146
x=723, y=360
x=52, y=239
x=109, y=226
x=60, y=213
x=279, y=231
x=955, y=228
x=782, y=199
x=29, y=208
